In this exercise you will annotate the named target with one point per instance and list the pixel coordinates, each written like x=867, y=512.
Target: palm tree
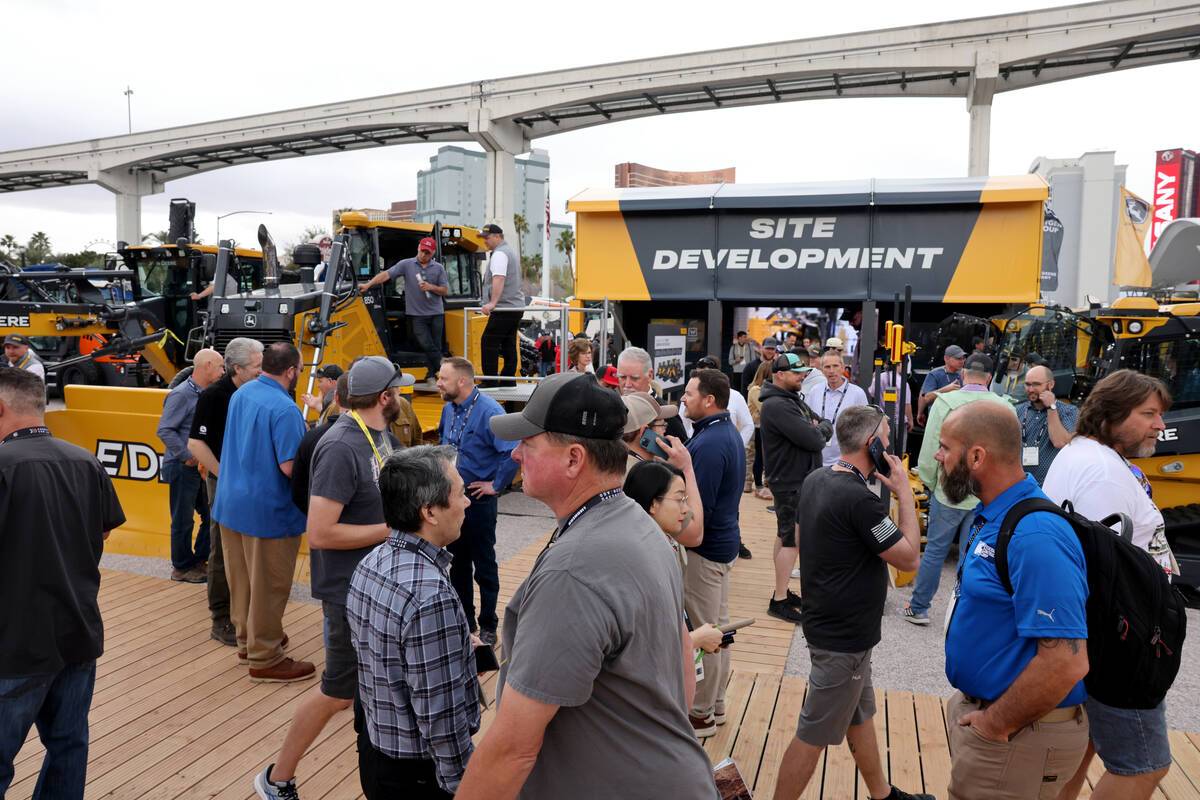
x=38, y=248
x=521, y=226
x=566, y=244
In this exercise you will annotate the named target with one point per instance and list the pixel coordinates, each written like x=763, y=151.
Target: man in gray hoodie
x=793, y=438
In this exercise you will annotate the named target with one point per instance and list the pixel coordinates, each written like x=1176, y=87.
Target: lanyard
x=825, y=397
x=354, y=415
x=854, y=469
x=462, y=430
x=1043, y=430
x=975, y=529
x=588, y=505
x=25, y=433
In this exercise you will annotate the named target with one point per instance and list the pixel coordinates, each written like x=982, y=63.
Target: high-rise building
x=402, y=211
x=631, y=174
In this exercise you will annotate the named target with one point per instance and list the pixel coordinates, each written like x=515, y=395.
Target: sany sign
x=1166, y=190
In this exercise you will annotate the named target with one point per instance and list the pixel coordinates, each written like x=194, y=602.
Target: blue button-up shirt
x=719, y=461
x=262, y=430
x=416, y=666
x=482, y=456
x=993, y=636
x=178, y=408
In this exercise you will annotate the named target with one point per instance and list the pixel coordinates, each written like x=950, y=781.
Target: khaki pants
x=706, y=596
x=260, y=580
x=1034, y=763
x=218, y=586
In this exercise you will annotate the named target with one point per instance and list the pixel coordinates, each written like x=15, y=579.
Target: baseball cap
x=954, y=351
x=644, y=409
x=16, y=338
x=707, y=362
x=331, y=371
x=428, y=244
x=814, y=351
x=1030, y=358
x=771, y=341
x=790, y=362
x=375, y=374
x=491, y=227
x=609, y=377
x=567, y=403
x=978, y=362
x=834, y=341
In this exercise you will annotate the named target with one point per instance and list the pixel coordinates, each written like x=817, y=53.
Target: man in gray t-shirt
x=594, y=694
x=425, y=285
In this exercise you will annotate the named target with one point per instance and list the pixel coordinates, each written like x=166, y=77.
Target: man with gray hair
x=243, y=363
x=635, y=370
x=418, y=702
x=845, y=537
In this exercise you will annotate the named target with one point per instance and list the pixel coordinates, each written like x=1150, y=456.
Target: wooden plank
x=752, y=735
x=737, y=692
x=934, y=745
x=904, y=758
x=781, y=734
x=1186, y=757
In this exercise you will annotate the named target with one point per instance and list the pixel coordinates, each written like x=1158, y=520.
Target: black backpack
x=1135, y=617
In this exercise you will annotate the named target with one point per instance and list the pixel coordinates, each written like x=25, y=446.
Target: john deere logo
x=250, y=321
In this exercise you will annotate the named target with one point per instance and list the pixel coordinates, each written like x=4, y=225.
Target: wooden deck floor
x=174, y=716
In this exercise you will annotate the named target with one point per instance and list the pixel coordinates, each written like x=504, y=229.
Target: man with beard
x=1046, y=424
x=1017, y=725
x=948, y=521
x=485, y=462
x=345, y=522
x=260, y=526
x=1120, y=420
x=424, y=287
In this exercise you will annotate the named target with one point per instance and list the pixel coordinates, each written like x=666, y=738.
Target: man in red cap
x=424, y=287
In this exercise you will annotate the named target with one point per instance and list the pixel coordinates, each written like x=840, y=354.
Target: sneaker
x=899, y=795
x=915, y=618
x=782, y=609
x=743, y=551
x=224, y=632
x=770, y=509
x=703, y=727
x=796, y=574
x=793, y=599
x=270, y=790
x=286, y=671
x=719, y=714
x=243, y=658
x=487, y=636
x=193, y=575
x=749, y=488
x=762, y=493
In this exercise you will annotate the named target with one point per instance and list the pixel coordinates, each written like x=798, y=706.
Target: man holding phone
x=844, y=541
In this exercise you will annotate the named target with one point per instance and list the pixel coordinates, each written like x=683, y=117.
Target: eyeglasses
x=681, y=499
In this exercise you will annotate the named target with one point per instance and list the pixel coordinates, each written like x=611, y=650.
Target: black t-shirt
x=546, y=350
x=302, y=463
x=844, y=526
x=56, y=501
x=212, y=406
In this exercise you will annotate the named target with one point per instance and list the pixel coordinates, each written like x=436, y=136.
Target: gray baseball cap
x=771, y=341
x=954, y=351
x=375, y=374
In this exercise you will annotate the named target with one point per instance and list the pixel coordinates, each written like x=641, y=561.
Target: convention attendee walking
x=597, y=679
x=485, y=462
x=1017, y=725
x=260, y=526
x=418, y=698
x=545, y=349
x=846, y=539
x=1046, y=423
x=179, y=469
x=948, y=521
x=503, y=301
x=1120, y=420
x=58, y=506
x=425, y=285
x=765, y=355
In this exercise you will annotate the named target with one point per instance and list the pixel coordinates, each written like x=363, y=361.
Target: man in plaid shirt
x=418, y=693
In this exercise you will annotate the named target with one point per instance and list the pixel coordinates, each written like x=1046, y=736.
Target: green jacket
x=929, y=470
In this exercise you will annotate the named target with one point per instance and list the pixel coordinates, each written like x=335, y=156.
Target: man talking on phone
x=844, y=540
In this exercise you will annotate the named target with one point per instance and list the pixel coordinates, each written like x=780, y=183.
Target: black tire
x=180, y=377
x=82, y=374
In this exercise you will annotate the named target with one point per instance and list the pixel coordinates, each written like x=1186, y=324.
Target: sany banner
x=1168, y=194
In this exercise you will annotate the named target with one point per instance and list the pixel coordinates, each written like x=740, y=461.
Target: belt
x=1054, y=715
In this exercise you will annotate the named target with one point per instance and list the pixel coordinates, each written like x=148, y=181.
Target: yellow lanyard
x=354, y=415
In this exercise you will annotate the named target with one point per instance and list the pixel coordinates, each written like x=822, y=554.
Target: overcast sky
x=67, y=63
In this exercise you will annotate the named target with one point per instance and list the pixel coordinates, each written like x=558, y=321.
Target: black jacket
x=792, y=444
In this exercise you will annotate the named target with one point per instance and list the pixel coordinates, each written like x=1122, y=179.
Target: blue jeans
x=946, y=526
x=58, y=705
x=476, y=548
x=186, y=497
x=545, y=368
x=428, y=332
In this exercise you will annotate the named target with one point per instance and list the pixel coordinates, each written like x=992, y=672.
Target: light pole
x=129, y=106
x=230, y=214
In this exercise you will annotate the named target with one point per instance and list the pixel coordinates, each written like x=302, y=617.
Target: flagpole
x=546, y=247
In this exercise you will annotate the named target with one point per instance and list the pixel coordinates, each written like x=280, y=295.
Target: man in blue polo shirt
x=1018, y=728
x=260, y=525
x=719, y=460
x=485, y=463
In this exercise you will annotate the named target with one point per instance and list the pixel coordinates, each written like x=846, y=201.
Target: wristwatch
x=1053, y=407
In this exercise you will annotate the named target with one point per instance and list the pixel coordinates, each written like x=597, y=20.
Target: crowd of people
x=614, y=661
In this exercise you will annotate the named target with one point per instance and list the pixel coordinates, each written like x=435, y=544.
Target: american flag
x=547, y=214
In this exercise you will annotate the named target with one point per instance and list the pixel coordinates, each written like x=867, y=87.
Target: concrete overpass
x=972, y=59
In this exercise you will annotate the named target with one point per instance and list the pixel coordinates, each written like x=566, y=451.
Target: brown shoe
x=243, y=656
x=703, y=727
x=193, y=575
x=286, y=671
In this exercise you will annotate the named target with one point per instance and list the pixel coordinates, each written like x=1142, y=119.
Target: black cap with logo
x=569, y=403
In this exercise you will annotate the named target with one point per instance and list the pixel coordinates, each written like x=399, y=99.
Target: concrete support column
x=129, y=187
x=980, y=89
x=502, y=141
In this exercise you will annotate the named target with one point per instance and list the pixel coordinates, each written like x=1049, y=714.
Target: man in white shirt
x=739, y=412
x=832, y=398
x=1120, y=420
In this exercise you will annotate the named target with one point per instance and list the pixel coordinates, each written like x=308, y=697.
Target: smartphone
x=879, y=458
x=650, y=443
x=485, y=659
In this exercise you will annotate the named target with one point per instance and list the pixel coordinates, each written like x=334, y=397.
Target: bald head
x=207, y=366
x=991, y=426
x=1039, y=386
x=1040, y=374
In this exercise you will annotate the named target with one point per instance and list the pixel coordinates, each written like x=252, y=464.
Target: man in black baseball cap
x=595, y=633
x=17, y=353
x=324, y=402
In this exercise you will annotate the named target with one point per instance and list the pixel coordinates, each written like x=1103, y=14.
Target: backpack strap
x=1014, y=515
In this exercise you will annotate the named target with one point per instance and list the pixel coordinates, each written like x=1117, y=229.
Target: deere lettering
x=128, y=460
x=830, y=258
x=14, y=322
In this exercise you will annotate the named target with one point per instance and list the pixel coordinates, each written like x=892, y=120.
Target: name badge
x=699, y=665
x=1029, y=456
x=949, y=613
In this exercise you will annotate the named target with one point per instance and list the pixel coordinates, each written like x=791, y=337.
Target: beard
x=958, y=483
x=294, y=382
x=391, y=412
x=1134, y=446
